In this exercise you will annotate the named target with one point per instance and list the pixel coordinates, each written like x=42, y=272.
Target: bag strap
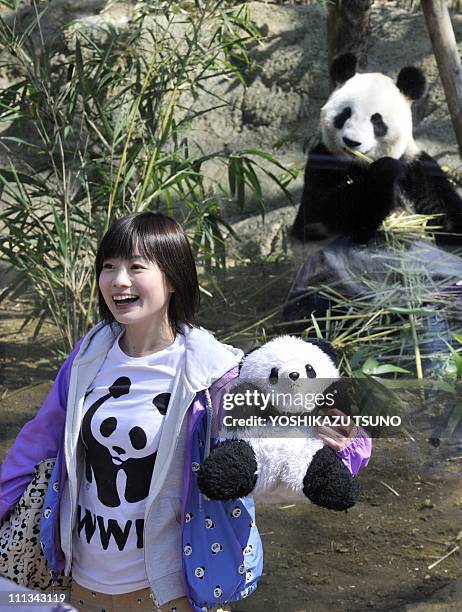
x=216, y=390
x=212, y=420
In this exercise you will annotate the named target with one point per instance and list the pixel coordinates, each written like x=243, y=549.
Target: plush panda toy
x=348, y=195
x=271, y=463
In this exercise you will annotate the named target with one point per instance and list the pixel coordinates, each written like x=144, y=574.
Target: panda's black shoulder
x=321, y=149
x=424, y=164
x=318, y=152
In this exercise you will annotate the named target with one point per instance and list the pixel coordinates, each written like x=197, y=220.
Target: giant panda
x=272, y=463
x=346, y=195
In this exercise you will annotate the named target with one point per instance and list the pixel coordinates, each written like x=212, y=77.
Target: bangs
x=129, y=240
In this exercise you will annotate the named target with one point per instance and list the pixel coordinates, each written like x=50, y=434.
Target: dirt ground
x=373, y=557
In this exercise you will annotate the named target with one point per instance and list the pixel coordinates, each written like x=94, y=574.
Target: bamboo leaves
x=106, y=131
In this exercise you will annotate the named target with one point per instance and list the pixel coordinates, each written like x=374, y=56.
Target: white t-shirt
x=124, y=412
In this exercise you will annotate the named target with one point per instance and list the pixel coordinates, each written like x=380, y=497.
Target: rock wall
x=277, y=109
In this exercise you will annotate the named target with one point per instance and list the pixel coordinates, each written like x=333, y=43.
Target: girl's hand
x=337, y=437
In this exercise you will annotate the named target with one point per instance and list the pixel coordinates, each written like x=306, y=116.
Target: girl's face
x=134, y=289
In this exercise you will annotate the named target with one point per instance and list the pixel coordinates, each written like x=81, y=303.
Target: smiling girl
x=117, y=419
x=129, y=418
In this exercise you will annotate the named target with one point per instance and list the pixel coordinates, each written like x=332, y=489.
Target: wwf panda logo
x=187, y=549
x=248, y=549
x=108, y=450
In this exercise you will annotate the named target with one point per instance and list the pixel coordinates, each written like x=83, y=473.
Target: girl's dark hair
x=161, y=240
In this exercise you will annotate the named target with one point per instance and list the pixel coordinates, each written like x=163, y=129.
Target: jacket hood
x=206, y=359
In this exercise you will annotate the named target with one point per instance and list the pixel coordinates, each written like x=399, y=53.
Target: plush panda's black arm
x=229, y=471
x=328, y=483
x=427, y=186
x=345, y=198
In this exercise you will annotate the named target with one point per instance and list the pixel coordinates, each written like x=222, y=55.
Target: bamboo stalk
x=447, y=57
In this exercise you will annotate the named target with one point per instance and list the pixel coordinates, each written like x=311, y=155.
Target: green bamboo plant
x=106, y=130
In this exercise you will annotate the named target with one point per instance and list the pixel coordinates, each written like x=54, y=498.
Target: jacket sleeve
x=39, y=439
x=357, y=454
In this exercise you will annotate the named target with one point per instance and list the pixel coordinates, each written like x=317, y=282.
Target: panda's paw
x=386, y=170
x=328, y=482
x=229, y=471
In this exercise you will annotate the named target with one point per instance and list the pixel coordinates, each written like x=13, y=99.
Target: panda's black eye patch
x=380, y=127
x=310, y=371
x=108, y=426
x=340, y=119
x=137, y=438
x=274, y=375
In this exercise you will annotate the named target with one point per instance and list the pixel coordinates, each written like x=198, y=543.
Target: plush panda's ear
x=327, y=347
x=343, y=68
x=411, y=82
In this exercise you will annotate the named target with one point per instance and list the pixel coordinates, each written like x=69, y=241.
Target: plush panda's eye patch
x=310, y=371
x=340, y=119
x=274, y=375
x=380, y=127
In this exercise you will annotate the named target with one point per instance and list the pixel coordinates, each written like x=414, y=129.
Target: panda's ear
x=343, y=68
x=327, y=348
x=411, y=82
